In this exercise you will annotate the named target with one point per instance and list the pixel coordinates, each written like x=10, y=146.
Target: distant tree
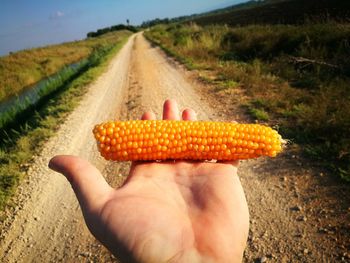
x=91, y=34
x=105, y=30
x=127, y=21
x=117, y=27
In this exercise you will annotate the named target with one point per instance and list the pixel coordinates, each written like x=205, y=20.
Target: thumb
x=87, y=182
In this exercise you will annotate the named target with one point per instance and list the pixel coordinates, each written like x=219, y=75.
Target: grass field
x=24, y=68
x=296, y=76
x=18, y=147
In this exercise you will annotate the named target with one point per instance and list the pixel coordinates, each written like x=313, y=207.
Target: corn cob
x=195, y=140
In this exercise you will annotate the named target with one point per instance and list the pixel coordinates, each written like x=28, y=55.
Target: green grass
x=22, y=144
x=297, y=76
x=259, y=114
x=258, y=109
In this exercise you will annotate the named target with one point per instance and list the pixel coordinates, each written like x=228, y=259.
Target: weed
x=259, y=114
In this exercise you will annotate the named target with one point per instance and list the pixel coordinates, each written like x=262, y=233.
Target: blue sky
x=26, y=24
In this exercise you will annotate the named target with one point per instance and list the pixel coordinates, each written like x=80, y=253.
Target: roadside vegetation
x=14, y=110
x=24, y=68
x=25, y=139
x=296, y=76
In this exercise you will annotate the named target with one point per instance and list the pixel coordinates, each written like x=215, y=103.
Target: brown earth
x=299, y=213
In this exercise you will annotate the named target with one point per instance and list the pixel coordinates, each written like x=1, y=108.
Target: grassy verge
x=296, y=76
x=27, y=100
x=24, y=68
x=26, y=141
x=23, y=105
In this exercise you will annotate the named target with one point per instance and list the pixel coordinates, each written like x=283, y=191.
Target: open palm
x=165, y=211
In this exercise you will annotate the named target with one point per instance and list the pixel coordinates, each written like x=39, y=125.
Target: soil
x=299, y=212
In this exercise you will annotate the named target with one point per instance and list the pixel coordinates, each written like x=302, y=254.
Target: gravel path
x=294, y=218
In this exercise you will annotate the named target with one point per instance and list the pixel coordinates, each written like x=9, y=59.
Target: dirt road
x=293, y=217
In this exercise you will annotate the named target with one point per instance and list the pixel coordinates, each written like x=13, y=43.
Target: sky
x=27, y=24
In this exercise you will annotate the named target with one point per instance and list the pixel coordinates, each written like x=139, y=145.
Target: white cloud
x=56, y=15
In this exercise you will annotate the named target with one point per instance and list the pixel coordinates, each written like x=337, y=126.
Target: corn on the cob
x=196, y=140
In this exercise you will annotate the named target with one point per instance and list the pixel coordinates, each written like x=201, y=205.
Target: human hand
x=165, y=211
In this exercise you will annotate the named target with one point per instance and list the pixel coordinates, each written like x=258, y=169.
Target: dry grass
x=24, y=68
